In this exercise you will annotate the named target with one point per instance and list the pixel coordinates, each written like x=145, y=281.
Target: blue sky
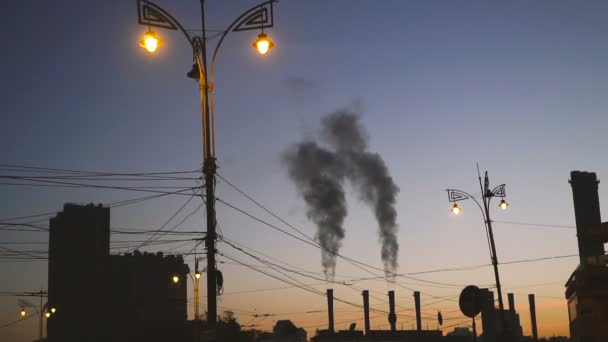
x=518, y=86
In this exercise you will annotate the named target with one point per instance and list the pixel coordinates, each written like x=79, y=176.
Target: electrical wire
x=16, y=322
x=192, y=196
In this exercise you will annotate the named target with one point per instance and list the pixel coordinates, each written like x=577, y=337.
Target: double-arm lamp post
x=258, y=17
x=195, y=284
x=486, y=195
x=44, y=311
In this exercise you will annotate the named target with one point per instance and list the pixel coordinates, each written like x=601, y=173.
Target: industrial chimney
x=366, y=310
x=586, y=213
x=511, y=303
x=533, y=317
x=330, y=309
x=392, y=317
x=417, y=304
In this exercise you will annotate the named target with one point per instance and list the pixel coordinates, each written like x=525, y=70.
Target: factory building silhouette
x=489, y=314
x=587, y=287
x=105, y=297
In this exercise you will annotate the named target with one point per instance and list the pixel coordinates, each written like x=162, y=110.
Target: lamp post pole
x=256, y=18
x=42, y=312
x=195, y=284
x=209, y=169
x=486, y=194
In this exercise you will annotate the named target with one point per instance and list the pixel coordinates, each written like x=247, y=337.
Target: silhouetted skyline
x=517, y=86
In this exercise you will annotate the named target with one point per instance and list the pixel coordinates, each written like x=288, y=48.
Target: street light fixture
x=151, y=41
x=503, y=204
x=41, y=312
x=263, y=44
x=175, y=279
x=486, y=194
x=53, y=310
x=258, y=17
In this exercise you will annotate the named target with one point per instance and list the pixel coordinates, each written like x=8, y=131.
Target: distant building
x=587, y=287
x=459, y=334
x=284, y=331
x=146, y=304
x=103, y=297
x=492, y=319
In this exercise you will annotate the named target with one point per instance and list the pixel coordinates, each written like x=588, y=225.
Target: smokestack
x=511, y=303
x=392, y=317
x=533, y=317
x=366, y=310
x=330, y=309
x=489, y=316
x=586, y=213
x=418, y=318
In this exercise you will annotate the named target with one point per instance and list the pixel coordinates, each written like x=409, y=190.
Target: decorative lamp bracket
x=499, y=191
x=150, y=14
x=259, y=17
x=457, y=195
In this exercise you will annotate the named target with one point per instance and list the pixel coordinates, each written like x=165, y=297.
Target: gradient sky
x=518, y=86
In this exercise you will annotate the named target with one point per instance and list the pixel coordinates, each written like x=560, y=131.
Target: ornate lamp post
x=195, y=284
x=42, y=312
x=258, y=17
x=486, y=194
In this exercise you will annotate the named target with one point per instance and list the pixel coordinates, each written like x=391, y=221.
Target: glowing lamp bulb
x=23, y=313
x=53, y=310
x=197, y=275
x=175, y=279
x=151, y=42
x=456, y=209
x=503, y=205
x=47, y=314
x=263, y=44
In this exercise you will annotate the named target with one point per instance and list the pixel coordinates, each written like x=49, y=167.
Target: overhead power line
x=71, y=171
x=540, y=225
x=16, y=322
x=98, y=186
x=111, y=205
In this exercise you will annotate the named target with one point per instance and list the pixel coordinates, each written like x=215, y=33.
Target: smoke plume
x=319, y=175
x=369, y=174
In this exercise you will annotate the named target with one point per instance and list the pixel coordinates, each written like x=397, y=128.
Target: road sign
x=470, y=301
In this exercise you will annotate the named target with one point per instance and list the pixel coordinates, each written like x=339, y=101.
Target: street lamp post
x=195, y=284
x=258, y=17
x=486, y=194
x=43, y=312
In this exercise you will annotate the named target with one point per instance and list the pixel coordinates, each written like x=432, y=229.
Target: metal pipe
x=366, y=310
x=417, y=303
x=511, y=303
x=474, y=331
x=533, y=317
x=330, y=309
x=392, y=317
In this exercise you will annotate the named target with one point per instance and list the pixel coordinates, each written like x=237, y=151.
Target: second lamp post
x=486, y=194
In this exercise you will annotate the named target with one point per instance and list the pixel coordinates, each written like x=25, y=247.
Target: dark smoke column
x=368, y=172
x=319, y=176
